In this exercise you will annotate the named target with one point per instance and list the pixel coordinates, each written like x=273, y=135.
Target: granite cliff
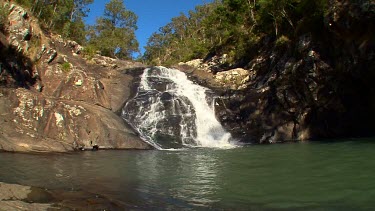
x=52, y=98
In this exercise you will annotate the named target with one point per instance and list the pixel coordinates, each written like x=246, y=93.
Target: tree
x=233, y=27
x=279, y=11
x=75, y=27
x=185, y=37
x=61, y=16
x=79, y=10
x=114, y=33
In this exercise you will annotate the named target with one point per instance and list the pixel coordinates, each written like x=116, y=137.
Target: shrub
x=66, y=67
x=4, y=13
x=89, y=51
x=282, y=41
x=35, y=45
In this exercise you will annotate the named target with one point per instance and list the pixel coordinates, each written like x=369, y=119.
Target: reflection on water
x=185, y=176
x=335, y=176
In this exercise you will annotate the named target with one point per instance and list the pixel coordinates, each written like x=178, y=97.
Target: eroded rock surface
x=55, y=99
x=16, y=197
x=25, y=198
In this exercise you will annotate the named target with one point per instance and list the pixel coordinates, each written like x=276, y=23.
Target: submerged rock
x=19, y=197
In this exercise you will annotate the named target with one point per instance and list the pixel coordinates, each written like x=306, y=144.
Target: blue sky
x=152, y=14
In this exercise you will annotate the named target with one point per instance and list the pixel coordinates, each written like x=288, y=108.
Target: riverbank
x=20, y=197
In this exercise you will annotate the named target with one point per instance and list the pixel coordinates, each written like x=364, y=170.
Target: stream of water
x=170, y=111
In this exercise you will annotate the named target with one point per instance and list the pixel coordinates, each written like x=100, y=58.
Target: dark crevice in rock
x=16, y=69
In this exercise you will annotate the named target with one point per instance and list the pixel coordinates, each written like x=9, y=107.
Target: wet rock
x=16, y=197
x=166, y=96
x=24, y=198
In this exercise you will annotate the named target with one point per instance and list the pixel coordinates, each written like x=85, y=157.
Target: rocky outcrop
x=319, y=85
x=234, y=78
x=19, y=197
x=211, y=64
x=55, y=99
x=16, y=197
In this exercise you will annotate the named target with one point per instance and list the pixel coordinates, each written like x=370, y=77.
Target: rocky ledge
x=19, y=197
x=55, y=98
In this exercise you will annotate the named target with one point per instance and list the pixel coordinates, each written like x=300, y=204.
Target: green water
x=297, y=176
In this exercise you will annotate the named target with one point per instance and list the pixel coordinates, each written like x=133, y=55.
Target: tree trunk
x=276, y=27
x=51, y=24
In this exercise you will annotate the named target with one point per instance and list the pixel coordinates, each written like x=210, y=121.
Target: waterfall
x=170, y=111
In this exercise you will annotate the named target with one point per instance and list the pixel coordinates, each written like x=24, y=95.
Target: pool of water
x=299, y=176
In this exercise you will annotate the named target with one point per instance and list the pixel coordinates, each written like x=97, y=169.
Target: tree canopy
x=114, y=33
x=62, y=16
x=223, y=26
x=230, y=26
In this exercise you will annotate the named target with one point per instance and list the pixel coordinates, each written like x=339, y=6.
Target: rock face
x=317, y=86
x=53, y=98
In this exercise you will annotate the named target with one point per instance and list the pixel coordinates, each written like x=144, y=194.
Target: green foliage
x=65, y=67
x=234, y=27
x=114, y=34
x=64, y=17
x=89, y=51
x=311, y=15
x=183, y=39
x=75, y=31
x=4, y=13
x=26, y=3
x=282, y=41
x=34, y=47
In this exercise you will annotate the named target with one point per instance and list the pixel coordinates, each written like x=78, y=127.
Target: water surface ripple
x=302, y=176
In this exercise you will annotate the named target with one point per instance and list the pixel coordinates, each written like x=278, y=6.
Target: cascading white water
x=170, y=111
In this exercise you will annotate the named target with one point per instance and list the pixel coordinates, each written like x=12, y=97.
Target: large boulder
x=233, y=78
x=35, y=123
